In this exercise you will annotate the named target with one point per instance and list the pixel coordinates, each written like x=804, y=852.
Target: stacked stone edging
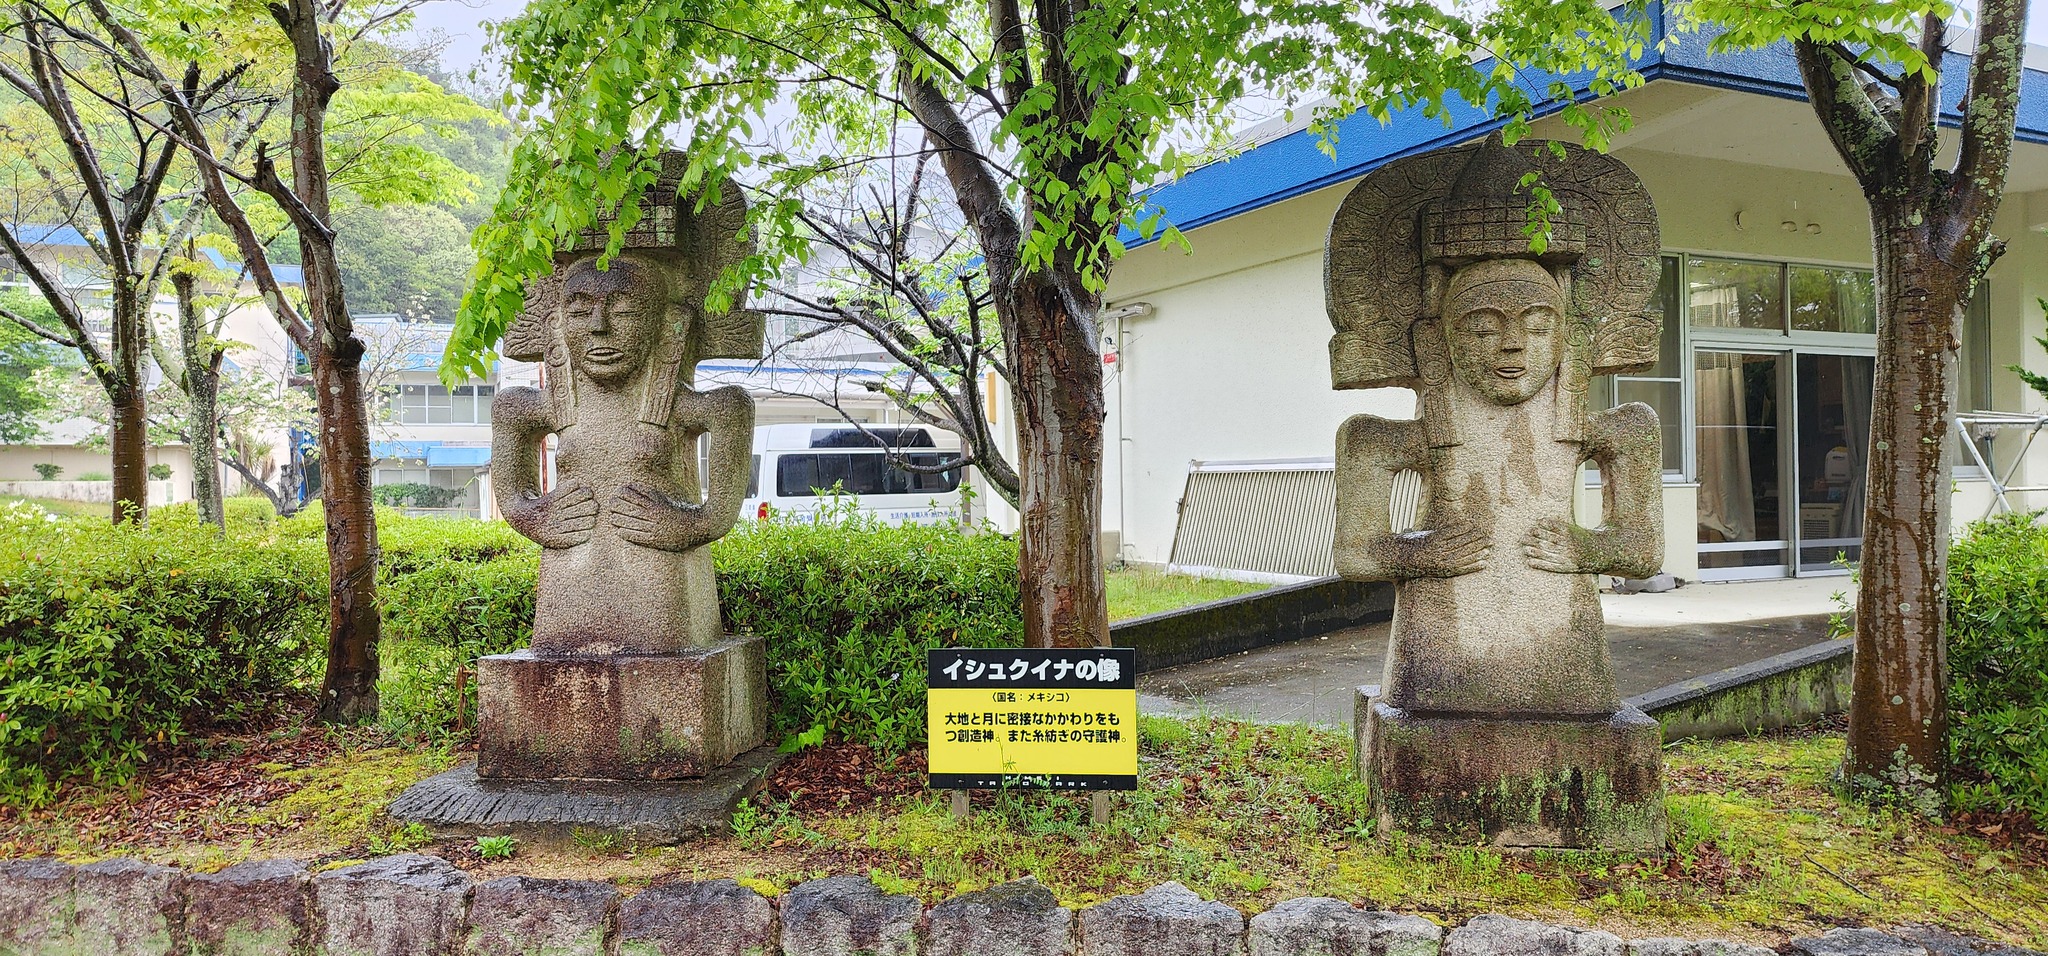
x=416, y=905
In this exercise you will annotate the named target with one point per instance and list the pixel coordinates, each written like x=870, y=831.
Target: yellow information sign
x=1062, y=718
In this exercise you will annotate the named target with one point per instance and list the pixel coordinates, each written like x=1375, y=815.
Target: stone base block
x=461, y=804
x=1530, y=782
x=621, y=717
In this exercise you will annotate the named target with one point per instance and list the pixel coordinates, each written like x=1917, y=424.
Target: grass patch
x=1137, y=591
x=62, y=507
x=1248, y=814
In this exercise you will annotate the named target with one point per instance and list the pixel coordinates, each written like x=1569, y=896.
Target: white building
x=1221, y=416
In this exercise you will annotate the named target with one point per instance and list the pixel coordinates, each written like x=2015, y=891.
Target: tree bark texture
x=1900, y=718
x=1048, y=323
x=202, y=385
x=1931, y=231
x=1060, y=408
x=348, y=691
x=128, y=439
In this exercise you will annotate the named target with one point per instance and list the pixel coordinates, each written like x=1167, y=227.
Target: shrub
x=160, y=472
x=244, y=515
x=415, y=494
x=848, y=607
x=48, y=471
x=116, y=637
x=1998, y=660
x=95, y=476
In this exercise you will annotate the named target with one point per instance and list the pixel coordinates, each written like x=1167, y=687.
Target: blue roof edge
x=1292, y=165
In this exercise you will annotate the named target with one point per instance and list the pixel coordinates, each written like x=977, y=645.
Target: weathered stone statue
x=630, y=676
x=1498, y=719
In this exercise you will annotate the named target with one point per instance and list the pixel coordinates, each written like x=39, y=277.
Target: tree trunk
x=1060, y=410
x=348, y=693
x=129, y=439
x=1898, y=721
x=129, y=445
x=202, y=384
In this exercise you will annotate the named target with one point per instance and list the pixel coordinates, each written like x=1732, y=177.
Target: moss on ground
x=1250, y=814
x=1137, y=591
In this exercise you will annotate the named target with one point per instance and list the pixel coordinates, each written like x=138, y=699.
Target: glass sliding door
x=1830, y=457
x=1738, y=433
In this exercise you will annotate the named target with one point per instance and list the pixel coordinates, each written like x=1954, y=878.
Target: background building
x=1222, y=419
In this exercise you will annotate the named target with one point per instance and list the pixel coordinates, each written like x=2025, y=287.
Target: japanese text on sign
x=1063, y=718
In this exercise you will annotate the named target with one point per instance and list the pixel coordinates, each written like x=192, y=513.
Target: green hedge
x=848, y=606
x=112, y=639
x=1998, y=662
x=115, y=638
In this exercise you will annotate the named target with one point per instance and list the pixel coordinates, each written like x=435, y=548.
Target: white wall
x=1232, y=363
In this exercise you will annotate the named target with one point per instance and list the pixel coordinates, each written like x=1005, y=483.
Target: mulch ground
x=182, y=795
x=835, y=777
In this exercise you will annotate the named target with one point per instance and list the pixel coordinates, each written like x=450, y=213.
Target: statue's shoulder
x=520, y=405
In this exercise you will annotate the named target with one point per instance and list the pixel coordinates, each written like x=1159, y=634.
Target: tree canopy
x=1075, y=106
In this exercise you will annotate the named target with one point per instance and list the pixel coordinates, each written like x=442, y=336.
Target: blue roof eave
x=1294, y=165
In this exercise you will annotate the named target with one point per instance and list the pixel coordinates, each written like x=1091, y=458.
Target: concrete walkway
x=1656, y=639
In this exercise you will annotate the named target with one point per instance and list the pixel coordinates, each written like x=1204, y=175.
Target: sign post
x=1032, y=718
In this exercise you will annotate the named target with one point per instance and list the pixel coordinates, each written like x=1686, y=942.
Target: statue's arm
x=560, y=519
x=1625, y=443
x=646, y=516
x=1370, y=452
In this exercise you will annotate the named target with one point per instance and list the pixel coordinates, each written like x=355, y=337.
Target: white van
x=795, y=466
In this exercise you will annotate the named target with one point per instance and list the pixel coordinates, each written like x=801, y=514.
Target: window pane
x=1735, y=295
x=865, y=474
x=933, y=481
x=835, y=472
x=796, y=475
x=1665, y=304
x=1833, y=300
x=1668, y=398
x=413, y=404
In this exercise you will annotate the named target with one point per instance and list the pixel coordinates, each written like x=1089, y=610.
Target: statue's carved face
x=611, y=319
x=1501, y=318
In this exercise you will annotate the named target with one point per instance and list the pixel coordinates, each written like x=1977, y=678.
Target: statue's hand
x=1563, y=547
x=1566, y=548
x=1441, y=552
x=646, y=517
x=559, y=519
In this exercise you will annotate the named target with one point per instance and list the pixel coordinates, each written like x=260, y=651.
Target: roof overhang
x=1293, y=162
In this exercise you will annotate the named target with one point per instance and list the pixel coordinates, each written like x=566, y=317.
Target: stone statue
x=631, y=674
x=1498, y=718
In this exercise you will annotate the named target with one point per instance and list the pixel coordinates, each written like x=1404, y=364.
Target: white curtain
x=1727, y=508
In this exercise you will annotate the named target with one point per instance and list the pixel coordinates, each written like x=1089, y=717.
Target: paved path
x=1656, y=639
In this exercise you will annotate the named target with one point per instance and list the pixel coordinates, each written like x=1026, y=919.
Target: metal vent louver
x=1268, y=518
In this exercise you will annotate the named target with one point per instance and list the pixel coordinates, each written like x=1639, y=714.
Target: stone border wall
x=414, y=905
x=1786, y=690
x=1274, y=616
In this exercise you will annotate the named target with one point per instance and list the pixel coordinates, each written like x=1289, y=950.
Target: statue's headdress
x=1408, y=226
x=696, y=245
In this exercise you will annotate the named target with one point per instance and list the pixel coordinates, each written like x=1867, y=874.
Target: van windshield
x=804, y=474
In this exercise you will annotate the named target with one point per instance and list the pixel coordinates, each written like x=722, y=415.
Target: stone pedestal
x=656, y=747
x=621, y=717
x=1514, y=781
